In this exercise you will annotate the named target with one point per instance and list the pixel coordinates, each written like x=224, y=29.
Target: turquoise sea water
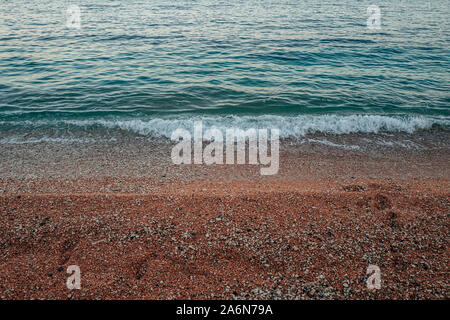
x=150, y=66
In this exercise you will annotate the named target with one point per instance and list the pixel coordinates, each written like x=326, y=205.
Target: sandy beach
x=140, y=227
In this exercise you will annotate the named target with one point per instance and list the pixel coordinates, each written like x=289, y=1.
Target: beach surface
x=140, y=227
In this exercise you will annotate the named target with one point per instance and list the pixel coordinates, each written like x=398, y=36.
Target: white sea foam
x=18, y=139
x=289, y=126
x=335, y=145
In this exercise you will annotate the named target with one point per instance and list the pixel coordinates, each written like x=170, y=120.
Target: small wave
x=347, y=40
x=289, y=126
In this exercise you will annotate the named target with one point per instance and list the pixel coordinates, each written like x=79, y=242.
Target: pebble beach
x=141, y=228
x=114, y=184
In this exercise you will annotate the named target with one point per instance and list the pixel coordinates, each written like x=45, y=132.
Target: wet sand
x=142, y=228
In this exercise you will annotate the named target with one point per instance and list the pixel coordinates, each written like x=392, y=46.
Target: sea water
x=147, y=68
